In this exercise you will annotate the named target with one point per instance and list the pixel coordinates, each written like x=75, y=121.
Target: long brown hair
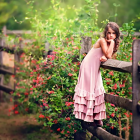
x=114, y=26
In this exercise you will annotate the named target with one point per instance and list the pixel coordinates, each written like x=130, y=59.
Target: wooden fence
x=122, y=66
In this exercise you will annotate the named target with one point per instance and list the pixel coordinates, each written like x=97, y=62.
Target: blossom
x=69, y=103
x=62, y=131
x=68, y=132
x=127, y=115
x=41, y=116
x=68, y=118
x=112, y=115
x=26, y=93
x=52, y=57
x=58, y=129
x=55, y=121
x=16, y=105
x=112, y=105
x=116, y=109
x=115, y=86
x=112, y=127
x=70, y=74
x=50, y=92
x=16, y=112
x=111, y=73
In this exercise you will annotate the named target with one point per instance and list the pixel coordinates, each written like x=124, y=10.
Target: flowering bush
x=46, y=87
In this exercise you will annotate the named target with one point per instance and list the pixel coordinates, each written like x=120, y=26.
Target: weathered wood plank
x=6, y=70
x=11, y=49
x=100, y=133
x=117, y=65
x=6, y=88
x=120, y=102
x=19, y=32
x=135, y=89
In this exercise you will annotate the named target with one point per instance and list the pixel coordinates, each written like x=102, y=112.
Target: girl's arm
x=107, y=50
x=103, y=59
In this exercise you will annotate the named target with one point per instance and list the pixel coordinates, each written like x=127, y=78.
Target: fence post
x=4, y=29
x=135, y=90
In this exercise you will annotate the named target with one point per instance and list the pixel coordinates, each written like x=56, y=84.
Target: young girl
x=89, y=104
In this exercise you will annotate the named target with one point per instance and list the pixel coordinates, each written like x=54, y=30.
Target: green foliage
x=46, y=87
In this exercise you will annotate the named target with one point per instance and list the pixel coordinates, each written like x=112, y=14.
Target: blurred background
x=13, y=12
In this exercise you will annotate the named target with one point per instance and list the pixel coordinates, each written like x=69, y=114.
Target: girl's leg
x=98, y=123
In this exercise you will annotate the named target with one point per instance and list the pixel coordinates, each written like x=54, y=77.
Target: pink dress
x=88, y=99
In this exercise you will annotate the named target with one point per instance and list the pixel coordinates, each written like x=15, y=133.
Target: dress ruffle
x=89, y=106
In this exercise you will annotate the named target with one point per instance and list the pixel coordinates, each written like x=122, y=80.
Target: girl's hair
x=114, y=26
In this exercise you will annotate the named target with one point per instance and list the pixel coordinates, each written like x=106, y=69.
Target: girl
x=89, y=104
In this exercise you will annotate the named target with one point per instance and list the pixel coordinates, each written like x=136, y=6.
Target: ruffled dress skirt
x=89, y=104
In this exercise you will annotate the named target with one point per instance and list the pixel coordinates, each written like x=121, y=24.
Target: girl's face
x=110, y=34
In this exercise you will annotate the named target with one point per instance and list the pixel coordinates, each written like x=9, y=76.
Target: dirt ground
x=19, y=127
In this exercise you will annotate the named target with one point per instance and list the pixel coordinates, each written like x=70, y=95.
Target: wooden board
x=136, y=90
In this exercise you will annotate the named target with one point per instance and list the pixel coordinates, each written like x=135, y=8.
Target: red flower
x=49, y=77
x=130, y=113
x=116, y=109
x=112, y=115
x=68, y=118
x=13, y=76
x=108, y=83
x=58, y=129
x=115, y=86
x=62, y=132
x=16, y=105
x=111, y=73
x=26, y=93
x=75, y=131
x=50, y=92
x=112, y=127
x=70, y=74
x=41, y=116
x=112, y=105
x=68, y=132
x=16, y=112
x=127, y=115
x=69, y=103
x=55, y=121
x=112, y=93
x=69, y=126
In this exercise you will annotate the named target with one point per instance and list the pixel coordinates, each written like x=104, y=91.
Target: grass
x=19, y=127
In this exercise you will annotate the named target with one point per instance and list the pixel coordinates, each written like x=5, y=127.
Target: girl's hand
x=110, y=40
x=103, y=59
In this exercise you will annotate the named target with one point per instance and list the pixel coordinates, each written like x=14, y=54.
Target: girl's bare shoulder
x=102, y=40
